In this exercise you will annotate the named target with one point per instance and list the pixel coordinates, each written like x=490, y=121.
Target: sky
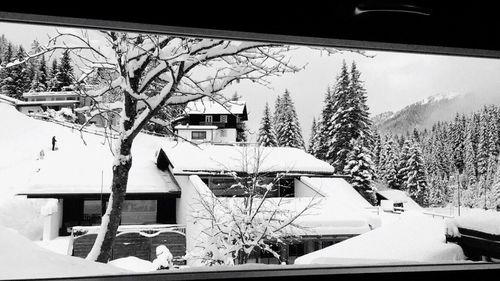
x=392, y=79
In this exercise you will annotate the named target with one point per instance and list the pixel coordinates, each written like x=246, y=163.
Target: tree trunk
x=101, y=250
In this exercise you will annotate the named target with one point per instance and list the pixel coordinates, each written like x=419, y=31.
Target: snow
x=133, y=264
x=186, y=157
x=208, y=106
x=399, y=196
x=414, y=237
x=23, y=259
x=439, y=97
x=487, y=221
x=58, y=245
x=326, y=216
x=337, y=188
x=195, y=127
x=74, y=167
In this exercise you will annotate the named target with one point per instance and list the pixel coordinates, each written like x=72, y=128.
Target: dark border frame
x=372, y=272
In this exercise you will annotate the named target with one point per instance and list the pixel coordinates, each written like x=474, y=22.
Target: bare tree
x=155, y=71
x=250, y=217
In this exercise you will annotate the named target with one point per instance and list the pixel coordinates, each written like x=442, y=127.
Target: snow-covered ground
x=22, y=259
x=414, y=237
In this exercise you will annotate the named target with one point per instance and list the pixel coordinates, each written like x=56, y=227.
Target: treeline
x=457, y=160
x=34, y=75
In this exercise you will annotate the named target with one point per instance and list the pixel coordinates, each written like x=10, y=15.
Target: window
x=198, y=135
x=422, y=139
x=223, y=118
x=92, y=212
x=139, y=212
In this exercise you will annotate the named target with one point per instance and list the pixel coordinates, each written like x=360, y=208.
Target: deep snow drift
x=413, y=238
x=20, y=258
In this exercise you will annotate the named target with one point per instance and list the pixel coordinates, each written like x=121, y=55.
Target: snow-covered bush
x=64, y=114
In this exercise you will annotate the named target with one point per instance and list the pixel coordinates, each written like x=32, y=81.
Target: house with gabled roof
x=207, y=120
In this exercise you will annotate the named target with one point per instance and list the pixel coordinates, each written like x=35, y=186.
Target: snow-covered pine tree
x=6, y=80
x=402, y=165
x=52, y=82
x=346, y=119
x=64, y=75
x=335, y=122
x=288, y=131
x=267, y=136
x=20, y=82
x=388, y=164
x=360, y=115
x=415, y=176
x=42, y=75
x=313, y=139
x=361, y=170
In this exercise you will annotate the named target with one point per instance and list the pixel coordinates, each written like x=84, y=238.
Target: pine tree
x=267, y=136
x=52, y=82
x=64, y=73
x=402, y=173
x=288, y=131
x=361, y=170
x=6, y=81
x=314, y=139
x=388, y=164
x=415, y=177
x=345, y=118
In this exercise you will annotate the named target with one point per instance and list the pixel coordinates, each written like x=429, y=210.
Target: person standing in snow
x=54, y=143
x=163, y=258
x=41, y=155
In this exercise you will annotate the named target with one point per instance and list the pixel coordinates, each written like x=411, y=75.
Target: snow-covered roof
x=41, y=94
x=208, y=106
x=338, y=189
x=413, y=238
x=195, y=127
x=9, y=100
x=76, y=167
x=21, y=259
x=49, y=102
x=319, y=215
x=487, y=221
x=186, y=157
x=399, y=196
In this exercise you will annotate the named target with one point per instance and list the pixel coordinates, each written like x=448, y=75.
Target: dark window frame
x=380, y=272
x=198, y=133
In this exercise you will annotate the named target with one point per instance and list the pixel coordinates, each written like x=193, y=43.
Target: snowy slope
x=20, y=258
x=22, y=138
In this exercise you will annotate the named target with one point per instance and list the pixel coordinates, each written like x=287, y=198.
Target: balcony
x=134, y=240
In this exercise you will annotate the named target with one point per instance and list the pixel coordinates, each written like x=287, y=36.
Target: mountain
x=424, y=113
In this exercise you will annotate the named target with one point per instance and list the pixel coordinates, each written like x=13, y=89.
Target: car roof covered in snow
x=399, y=196
x=188, y=158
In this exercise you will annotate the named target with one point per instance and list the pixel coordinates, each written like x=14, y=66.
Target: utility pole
x=458, y=193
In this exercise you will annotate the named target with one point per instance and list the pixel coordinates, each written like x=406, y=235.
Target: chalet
x=210, y=121
x=163, y=186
